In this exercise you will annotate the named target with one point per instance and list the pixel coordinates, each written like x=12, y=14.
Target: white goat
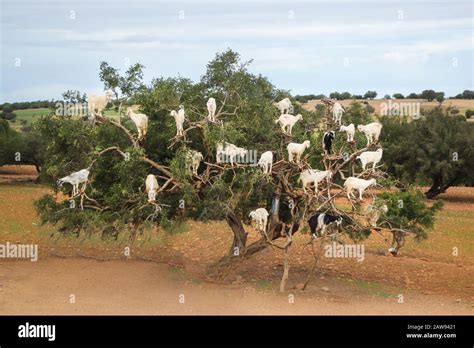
x=371, y=131
x=179, y=120
x=97, y=103
x=75, y=179
x=229, y=152
x=284, y=105
x=151, y=187
x=353, y=183
x=312, y=176
x=266, y=162
x=141, y=122
x=287, y=122
x=195, y=158
x=370, y=157
x=337, y=111
x=350, y=131
x=211, y=108
x=260, y=216
x=295, y=149
x=374, y=212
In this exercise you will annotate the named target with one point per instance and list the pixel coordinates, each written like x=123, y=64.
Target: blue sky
x=303, y=46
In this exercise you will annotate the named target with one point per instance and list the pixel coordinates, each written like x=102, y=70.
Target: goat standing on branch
x=179, y=120
x=327, y=141
x=194, y=158
x=287, y=122
x=75, y=179
x=260, y=216
x=353, y=183
x=312, y=176
x=350, y=131
x=319, y=222
x=97, y=103
x=373, y=157
x=211, y=109
x=151, y=187
x=266, y=162
x=296, y=150
x=337, y=111
x=284, y=106
x=141, y=122
x=371, y=131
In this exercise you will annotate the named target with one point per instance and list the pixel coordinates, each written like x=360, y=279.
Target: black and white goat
x=319, y=222
x=327, y=141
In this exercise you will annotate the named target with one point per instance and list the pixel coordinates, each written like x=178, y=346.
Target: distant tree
x=414, y=96
x=428, y=94
x=467, y=94
x=370, y=95
x=435, y=149
x=335, y=95
x=387, y=96
x=357, y=96
x=10, y=143
x=440, y=97
x=398, y=96
x=345, y=95
x=9, y=116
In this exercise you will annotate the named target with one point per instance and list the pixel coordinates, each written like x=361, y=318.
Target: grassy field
x=29, y=115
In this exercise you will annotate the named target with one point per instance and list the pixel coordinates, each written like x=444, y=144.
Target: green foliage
x=308, y=97
x=10, y=143
x=398, y=96
x=469, y=113
x=128, y=84
x=408, y=210
x=340, y=96
x=428, y=94
x=370, y=95
x=435, y=149
x=9, y=116
x=115, y=194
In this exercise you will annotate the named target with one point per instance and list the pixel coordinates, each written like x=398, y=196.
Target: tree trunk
x=286, y=267
x=240, y=236
x=437, y=188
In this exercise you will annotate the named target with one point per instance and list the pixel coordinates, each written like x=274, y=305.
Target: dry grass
x=461, y=104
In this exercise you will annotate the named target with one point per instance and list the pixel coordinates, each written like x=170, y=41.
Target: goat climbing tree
x=114, y=200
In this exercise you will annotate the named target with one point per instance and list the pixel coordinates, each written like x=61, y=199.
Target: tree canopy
x=119, y=162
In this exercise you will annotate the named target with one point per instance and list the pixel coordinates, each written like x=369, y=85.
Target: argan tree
x=114, y=198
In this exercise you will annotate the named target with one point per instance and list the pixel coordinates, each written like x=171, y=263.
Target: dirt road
x=140, y=287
